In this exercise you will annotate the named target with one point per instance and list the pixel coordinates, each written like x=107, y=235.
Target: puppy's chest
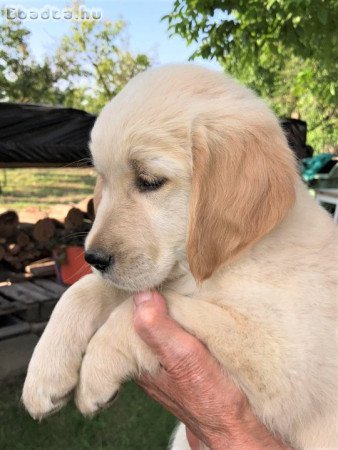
x=243, y=294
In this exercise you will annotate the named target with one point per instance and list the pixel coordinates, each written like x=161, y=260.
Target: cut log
x=14, y=249
x=22, y=239
x=28, y=255
x=90, y=210
x=14, y=261
x=9, y=222
x=17, y=277
x=43, y=268
x=25, y=256
x=44, y=230
x=30, y=246
x=21, y=244
x=74, y=219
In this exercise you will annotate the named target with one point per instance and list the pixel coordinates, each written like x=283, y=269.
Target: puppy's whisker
x=72, y=235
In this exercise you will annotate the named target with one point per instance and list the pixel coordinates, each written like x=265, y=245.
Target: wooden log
x=44, y=230
x=74, y=219
x=22, y=239
x=91, y=210
x=28, y=256
x=9, y=222
x=14, y=261
x=30, y=246
x=24, y=256
x=43, y=268
x=14, y=249
x=18, y=277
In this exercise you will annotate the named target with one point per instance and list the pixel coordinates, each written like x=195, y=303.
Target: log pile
x=21, y=244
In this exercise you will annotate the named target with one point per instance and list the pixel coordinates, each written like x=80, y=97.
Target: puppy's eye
x=147, y=183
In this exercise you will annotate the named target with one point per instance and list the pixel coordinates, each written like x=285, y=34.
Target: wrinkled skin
x=192, y=385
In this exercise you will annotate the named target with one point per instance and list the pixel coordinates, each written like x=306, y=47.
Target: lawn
x=42, y=188
x=134, y=422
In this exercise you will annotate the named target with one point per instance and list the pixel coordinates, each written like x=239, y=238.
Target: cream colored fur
x=264, y=254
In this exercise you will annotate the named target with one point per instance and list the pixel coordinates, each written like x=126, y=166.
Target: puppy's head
x=191, y=167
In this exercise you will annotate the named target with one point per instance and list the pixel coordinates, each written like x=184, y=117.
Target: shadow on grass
x=55, y=177
x=47, y=191
x=135, y=422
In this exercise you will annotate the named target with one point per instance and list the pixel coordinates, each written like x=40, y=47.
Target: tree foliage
x=22, y=78
x=90, y=65
x=96, y=62
x=286, y=50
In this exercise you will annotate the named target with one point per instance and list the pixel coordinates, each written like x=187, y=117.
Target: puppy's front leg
x=116, y=353
x=54, y=368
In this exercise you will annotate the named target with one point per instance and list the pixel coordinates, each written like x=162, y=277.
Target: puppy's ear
x=97, y=193
x=242, y=187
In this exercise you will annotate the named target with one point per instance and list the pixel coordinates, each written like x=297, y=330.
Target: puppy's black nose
x=98, y=259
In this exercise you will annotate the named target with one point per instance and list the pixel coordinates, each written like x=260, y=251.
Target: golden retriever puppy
x=198, y=196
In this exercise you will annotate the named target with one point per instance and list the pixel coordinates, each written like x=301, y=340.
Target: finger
x=158, y=330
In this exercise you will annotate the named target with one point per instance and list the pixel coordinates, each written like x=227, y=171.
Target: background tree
x=90, y=65
x=96, y=63
x=22, y=78
x=286, y=50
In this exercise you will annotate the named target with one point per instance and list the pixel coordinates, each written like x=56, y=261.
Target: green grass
x=43, y=188
x=134, y=422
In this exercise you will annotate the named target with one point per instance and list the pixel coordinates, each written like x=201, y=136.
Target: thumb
x=159, y=331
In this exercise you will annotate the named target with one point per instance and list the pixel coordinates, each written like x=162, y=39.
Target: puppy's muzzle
x=99, y=259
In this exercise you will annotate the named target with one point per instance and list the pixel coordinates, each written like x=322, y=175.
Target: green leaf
x=322, y=15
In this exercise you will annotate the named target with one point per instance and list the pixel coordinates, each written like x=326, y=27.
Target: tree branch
x=101, y=78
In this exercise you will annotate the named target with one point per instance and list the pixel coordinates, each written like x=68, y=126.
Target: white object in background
x=329, y=196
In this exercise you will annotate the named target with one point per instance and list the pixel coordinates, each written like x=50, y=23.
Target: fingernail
x=142, y=297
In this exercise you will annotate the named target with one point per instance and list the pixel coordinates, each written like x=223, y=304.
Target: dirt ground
x=38, y=193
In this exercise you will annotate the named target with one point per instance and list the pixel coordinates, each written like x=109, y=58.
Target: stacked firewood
x=23, y=243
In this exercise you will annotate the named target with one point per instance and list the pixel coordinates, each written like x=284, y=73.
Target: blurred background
x=60, y=63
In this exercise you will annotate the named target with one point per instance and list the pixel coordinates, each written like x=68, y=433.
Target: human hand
x=192, y=385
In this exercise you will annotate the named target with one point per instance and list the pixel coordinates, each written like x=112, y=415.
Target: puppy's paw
x=49, y=383
x=114, y=354
x=101, y=375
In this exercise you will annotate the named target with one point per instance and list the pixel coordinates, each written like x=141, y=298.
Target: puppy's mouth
x=137, y=275
x=130, y=284
x=127, y=283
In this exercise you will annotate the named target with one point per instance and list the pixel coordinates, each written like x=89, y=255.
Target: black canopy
x=46, y=136
x=36, y=135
